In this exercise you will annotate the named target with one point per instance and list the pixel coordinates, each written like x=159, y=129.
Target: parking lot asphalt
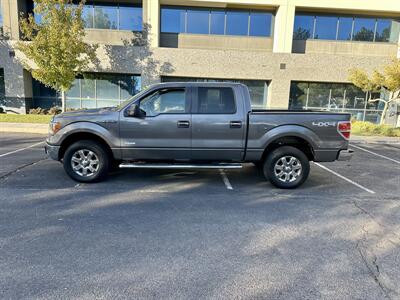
x=185, y=235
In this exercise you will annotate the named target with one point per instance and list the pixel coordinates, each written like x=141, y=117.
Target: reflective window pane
x=217, y=22
x=394, y=31
x=75, y=90
x=107, y=87
x=325, y=28
x=383, y=30
x=216, y=101
x=364, y=29
x=87, y=16
x=165, y=101
x=129, y=85
x=303, y=27
x=260, y=24
x=355, y=97
x=337, y=96
x=88, y=88
x=198, y=21
x=130, y=18
x=345, y=27
x=298, y=95
x=237, y=23
x=172, y=20
x=318, y=96
x=105, y=17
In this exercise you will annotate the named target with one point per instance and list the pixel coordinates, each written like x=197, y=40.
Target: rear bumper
x=345, y=155
x=52, y=151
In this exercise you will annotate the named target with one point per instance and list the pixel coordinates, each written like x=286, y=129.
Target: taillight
x=344, y=128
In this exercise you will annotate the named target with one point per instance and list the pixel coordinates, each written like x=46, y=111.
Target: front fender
x=85, y=127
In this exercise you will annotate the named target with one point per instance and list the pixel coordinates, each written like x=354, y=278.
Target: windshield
x=123, y=104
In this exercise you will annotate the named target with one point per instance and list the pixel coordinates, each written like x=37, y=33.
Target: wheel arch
x=83, y=135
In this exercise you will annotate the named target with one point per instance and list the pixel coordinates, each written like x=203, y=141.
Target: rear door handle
x=235, y=124
x=183, y=124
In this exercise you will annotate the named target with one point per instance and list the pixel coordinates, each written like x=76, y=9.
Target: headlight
x=54, y=127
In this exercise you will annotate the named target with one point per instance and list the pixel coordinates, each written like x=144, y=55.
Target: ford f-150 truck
x=197, y=125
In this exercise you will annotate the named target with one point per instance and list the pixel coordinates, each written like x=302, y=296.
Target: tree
x=55, y=45
x=386, y=81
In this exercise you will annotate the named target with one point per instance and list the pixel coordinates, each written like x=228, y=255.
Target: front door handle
x=235, y=124
x=183, y=124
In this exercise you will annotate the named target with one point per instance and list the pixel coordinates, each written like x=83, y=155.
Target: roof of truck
x=189, y=83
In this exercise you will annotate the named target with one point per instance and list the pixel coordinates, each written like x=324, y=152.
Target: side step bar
x=178, y=166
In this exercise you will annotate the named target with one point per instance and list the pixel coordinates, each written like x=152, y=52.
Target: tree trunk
x=384, y=112
x=63, y=106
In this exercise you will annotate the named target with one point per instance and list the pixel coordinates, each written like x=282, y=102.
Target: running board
x=179, y=166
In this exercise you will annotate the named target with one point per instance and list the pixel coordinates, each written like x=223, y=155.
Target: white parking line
x=22, y=149
x=345, y=178
x=377, y=154
x=225, y=179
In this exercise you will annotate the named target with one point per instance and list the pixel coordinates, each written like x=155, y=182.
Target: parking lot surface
x=160, y=234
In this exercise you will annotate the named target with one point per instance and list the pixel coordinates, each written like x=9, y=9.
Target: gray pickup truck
x=197, y=125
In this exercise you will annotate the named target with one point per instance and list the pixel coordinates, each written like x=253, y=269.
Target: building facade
x=292, y=54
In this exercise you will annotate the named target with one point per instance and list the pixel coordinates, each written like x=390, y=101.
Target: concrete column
x=278, y=93
x=283, y=28
x=151, y=17
x=10, y=19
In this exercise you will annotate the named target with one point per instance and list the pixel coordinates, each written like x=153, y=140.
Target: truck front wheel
x=86, y=161
x=286, y=167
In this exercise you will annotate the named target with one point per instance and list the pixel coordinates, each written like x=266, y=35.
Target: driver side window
x=165, y=101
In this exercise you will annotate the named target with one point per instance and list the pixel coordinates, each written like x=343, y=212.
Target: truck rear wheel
x=86, y=161
x=286, y=167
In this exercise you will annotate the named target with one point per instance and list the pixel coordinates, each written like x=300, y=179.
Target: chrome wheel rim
x=288, y=169
x=85, y=163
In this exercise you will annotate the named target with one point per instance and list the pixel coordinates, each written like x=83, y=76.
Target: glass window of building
x=2, y=86
x=198, y=21
x=91, y=91
x=364, y=29
x=237, y=23
x=105, y=17
x=216, y=21
x=260, y=24
x=172, y=20
x=336, y=27
x=345, y=28
x=341, y=97
x=110, y=16
x=383, y=30
x=303, y=27
x=258, y=89
x=325, y=27
x=130, y=18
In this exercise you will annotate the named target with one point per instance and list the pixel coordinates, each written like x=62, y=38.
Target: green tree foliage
x=55, y=45
x=387, y=80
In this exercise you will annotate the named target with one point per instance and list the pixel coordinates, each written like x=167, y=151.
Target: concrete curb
x=24, y=128
x=374, y=139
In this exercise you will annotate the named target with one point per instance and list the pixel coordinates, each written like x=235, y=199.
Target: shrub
x=55, y=110
x=368, y=128
x=38, y=111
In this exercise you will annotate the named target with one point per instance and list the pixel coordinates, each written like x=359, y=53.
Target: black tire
x=291, y=176
x=100, y=155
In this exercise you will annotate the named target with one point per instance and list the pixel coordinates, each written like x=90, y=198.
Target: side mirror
x=135, y=111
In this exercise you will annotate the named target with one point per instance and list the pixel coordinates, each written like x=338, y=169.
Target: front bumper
x=345, y=155
x=52, y=151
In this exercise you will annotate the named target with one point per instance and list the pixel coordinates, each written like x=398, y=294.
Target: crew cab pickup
x=197, y=125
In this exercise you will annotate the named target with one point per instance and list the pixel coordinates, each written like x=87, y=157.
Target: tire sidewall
x=94, y=147
x=278, y=153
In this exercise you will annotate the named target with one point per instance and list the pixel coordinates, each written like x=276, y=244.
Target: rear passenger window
x=216, y=101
